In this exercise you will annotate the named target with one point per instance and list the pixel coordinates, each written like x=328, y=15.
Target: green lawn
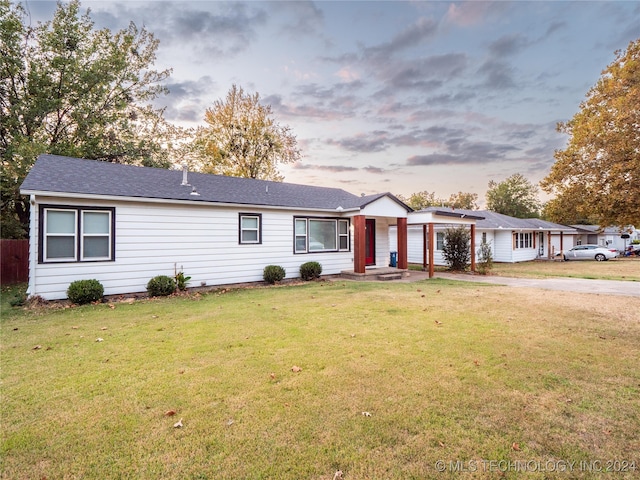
x=394, y=377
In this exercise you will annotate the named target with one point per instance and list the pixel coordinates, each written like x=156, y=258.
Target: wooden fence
x=14, y=261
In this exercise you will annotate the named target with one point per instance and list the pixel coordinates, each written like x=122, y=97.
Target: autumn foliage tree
x=241, y=139
x=67, y=88
x=597, y=176
x=424, y=199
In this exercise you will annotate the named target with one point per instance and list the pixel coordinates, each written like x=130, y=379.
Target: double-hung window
x=320, y=235
x=76, y=234
x=439, y=240
x=250, y=228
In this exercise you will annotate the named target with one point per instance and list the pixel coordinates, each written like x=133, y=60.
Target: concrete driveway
x=581, y=285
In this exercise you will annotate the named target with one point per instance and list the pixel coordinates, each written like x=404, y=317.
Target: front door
x=541, y=244
x=370, y=242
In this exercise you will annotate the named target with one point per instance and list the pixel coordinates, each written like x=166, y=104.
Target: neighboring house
x=609, y=237
x=511, y=239
x=123, y=225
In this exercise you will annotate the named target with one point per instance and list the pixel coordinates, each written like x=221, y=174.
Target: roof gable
x=66, y=175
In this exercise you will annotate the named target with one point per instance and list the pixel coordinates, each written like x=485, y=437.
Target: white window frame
x=84, y=235
x=258, y=230
x=439, y=240
x=306, y=221
x=46, y=235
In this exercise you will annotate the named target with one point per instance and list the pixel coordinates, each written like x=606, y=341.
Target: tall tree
x=598, y=174
x=515, y=196
x=69, y=89
x=463, y=200
x=242, y=139
x=420, y=200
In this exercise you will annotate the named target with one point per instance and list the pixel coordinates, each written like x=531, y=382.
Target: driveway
x=581, y=285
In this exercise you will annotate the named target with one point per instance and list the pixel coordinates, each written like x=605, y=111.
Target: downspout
x=33, y=254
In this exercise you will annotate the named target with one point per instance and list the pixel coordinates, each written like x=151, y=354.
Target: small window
x=439, y=240
x=250, y=228
x=343, y=234
x=60, y=235
x=96, y=235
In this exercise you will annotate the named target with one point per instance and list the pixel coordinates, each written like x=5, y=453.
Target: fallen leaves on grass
x=37, y=347
x=178, y=424
x=366, y=414
x=515, y=446
x=99, y=339
x=296, y=369
x=337, y=475
x=169, y=413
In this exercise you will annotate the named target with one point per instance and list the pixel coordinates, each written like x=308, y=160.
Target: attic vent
x=184, y=174
x=194, y=192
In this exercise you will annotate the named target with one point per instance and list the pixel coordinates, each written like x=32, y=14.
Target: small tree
x=456, y=248
x=485, y=258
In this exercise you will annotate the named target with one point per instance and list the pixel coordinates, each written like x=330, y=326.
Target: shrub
x=456, y=248
x=310, y=270
x=161, y=286
x=485, y=258
x=85, y=291
x=273, y=273
x=181, y=281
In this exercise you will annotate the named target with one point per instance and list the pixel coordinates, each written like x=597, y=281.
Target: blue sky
x=390, y=96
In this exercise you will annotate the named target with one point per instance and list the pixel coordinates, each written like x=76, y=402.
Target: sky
x=396, y=97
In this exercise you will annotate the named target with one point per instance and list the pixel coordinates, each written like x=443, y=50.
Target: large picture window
x=320, y=235
x=250, y=228
x=523, y=240
x=76, y=234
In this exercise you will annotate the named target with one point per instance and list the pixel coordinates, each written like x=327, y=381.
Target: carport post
x=431, y=248
x=473, y=247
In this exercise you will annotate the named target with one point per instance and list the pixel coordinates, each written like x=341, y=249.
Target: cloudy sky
x=390, y=96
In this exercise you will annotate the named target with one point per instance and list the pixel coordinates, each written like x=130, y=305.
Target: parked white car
x=589, y=252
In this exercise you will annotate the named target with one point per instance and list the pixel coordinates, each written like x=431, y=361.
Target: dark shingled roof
x=58, y=174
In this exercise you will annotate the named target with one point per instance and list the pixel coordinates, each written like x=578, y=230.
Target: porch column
x=432, y=245
x=424, y=247
x=473, y=247
x=549, y=254
x=561, y=244
x=402, y=243
x=359, y=247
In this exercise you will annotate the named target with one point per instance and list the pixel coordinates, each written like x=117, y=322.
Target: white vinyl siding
x=200, y=240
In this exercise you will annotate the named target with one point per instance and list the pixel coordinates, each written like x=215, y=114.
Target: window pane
x=95, y=222
x=60, y=247
x=344, y=243
x=250, y=236
x=344, y=227
x=301, y=227
x=322, y=235
x=96, y=247
x=301, y=244
x=61, y=221
x=249, y=222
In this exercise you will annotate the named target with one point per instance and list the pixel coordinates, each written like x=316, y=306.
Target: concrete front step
x=390, y=276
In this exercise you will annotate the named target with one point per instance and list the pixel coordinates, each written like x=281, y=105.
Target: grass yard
x=395, y=377
x=617, y=269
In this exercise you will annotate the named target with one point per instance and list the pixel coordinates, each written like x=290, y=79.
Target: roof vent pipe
x=184, y=174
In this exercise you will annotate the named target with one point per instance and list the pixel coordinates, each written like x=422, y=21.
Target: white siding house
x=123, y=225
x=511, y=239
